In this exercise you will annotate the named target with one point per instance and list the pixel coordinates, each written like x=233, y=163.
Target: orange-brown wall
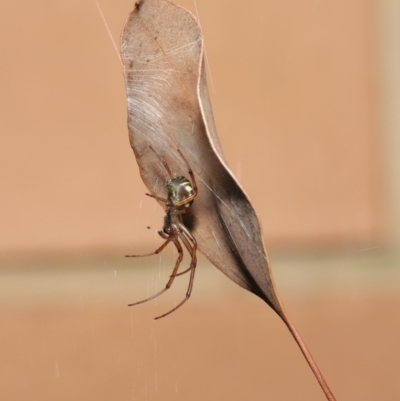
x=295, y=96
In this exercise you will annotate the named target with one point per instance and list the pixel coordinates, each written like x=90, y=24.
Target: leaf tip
x=138, y=4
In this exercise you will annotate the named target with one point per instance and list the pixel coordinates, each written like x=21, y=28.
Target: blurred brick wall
x=295, y=95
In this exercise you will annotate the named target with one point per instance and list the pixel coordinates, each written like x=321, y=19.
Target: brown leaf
x=169, y=109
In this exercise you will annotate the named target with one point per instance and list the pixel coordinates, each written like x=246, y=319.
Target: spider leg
x=172, y=278
x=164, y=164
x=182, y=273
x=158, y=198
x=192, y=250
x=157, y=251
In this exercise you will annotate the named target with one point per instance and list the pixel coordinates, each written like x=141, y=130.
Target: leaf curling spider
x=181, y=194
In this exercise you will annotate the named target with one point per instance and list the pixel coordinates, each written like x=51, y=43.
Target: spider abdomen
x=180, y=191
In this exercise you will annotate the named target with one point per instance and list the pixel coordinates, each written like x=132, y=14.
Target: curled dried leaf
x=169, y=110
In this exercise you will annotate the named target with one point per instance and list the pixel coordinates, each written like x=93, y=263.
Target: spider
x=181, y=194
